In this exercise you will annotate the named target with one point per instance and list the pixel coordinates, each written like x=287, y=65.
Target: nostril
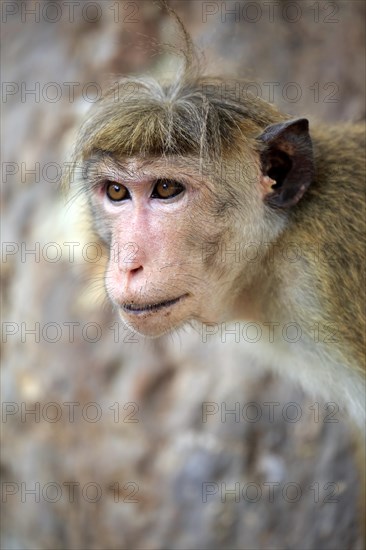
x=136, y=270
x=130, y=268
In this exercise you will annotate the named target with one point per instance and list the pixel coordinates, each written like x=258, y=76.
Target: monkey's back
x=331, y=218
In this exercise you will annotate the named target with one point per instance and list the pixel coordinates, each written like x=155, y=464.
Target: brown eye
x=116, y=191
x=166, y=189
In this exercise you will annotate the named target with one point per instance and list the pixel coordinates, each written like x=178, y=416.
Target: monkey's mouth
x=150, y=308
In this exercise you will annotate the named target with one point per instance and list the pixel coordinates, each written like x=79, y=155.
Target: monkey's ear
x=287, y=158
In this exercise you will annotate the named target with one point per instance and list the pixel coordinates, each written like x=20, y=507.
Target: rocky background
x=179, y=443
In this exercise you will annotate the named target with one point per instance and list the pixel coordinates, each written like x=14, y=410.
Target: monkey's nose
x=130, y=259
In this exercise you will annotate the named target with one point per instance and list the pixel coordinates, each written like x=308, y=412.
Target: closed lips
x=143, y=308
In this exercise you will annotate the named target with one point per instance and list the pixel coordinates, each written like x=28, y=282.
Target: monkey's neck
x=274, y=294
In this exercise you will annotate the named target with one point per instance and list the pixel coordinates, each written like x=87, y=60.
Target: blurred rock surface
x=166, y=476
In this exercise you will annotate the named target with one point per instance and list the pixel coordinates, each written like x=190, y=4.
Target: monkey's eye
x=116, y=192
x=166, y=189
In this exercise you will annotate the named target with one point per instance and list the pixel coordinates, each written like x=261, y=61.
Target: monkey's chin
x=154, y=320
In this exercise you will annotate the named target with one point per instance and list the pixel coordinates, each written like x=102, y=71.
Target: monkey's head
x=179, y=177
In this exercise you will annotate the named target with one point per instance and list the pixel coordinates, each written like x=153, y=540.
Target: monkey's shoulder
x=310, y=365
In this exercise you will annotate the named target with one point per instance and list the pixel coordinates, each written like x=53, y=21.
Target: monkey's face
x=170, y=246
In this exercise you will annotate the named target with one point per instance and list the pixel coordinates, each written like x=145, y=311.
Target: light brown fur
x=199, y=127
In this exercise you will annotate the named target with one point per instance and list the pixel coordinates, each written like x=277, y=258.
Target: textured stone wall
x=132, y=444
